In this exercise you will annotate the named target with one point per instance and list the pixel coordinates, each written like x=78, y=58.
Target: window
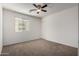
x=21, y=25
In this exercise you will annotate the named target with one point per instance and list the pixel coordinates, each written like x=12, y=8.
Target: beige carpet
x=39, y=47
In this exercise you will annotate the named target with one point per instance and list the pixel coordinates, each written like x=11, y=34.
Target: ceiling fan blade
x=32, y=10
x=35, y=5
x=44, y=6
x=44, y=10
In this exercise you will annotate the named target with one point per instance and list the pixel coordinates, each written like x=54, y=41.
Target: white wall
x=62, y=27
x=0, y=29
x=9, y=34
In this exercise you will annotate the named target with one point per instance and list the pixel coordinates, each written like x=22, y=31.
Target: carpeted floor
x=39, y=47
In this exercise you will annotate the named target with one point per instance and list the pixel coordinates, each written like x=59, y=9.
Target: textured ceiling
x=25, y=7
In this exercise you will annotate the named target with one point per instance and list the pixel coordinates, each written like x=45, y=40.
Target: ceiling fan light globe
x=38, y=10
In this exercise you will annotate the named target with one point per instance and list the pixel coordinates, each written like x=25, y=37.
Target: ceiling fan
x=39, y=8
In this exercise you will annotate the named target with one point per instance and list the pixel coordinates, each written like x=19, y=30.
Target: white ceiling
x=25, y=7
